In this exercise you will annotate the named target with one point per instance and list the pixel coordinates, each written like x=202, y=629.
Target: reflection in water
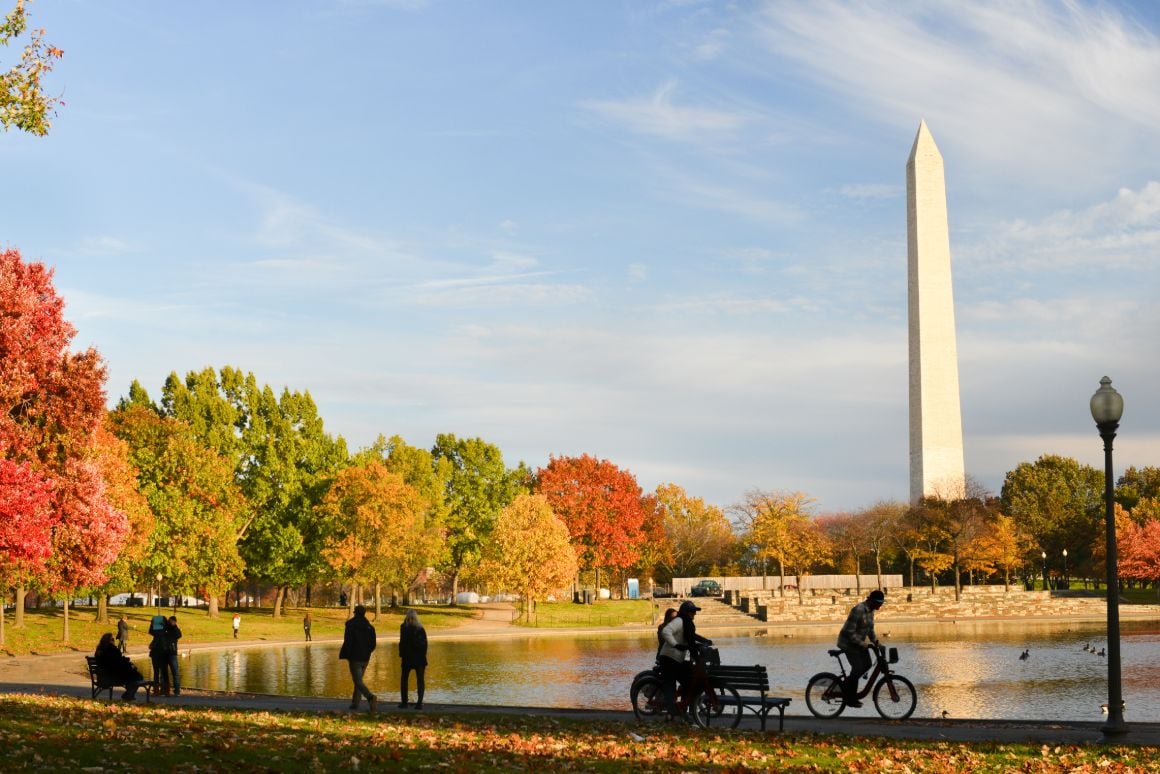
x=966, y=670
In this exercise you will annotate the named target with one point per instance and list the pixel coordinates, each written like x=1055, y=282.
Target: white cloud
x=860, y=191
x=713, y=46
x=1046, y=91
x=657, y=115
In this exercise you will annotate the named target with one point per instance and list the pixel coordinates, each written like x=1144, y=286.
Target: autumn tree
x=1004, y=545
x=51, y=405
x=653, y=552
x=530, y=551
x=121, y=488
x=478, y=486
x=955, y=525
x=377, y=529
x=199, y=511
x=26, y=521
x=779, y=526
x=880, y=523
x=1138, y=551
x=1136, y=484
x=697, y=534
x=847, y=535
x=23, y=102
x=601, y=504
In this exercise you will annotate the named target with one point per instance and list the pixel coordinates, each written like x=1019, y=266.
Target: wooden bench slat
x=753, y=679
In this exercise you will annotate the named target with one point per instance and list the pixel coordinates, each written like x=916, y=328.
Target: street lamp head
x=158, y=577
x=1065, y=553
x=1043, y=554
x=1107, y=405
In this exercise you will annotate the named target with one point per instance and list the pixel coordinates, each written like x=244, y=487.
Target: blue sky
x=670, y=234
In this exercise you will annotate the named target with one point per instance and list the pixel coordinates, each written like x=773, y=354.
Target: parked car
x=706, y=588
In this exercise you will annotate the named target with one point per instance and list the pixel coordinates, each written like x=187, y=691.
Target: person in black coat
x=113, y=663
x=413, y=651
x=358, y=643
x=172, y=634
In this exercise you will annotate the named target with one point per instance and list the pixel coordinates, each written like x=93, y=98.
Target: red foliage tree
x=26, y=521
x=600, y=503
x=1139, y=550
x=52, y=401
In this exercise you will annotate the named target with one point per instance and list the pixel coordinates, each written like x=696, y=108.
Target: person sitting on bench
x=117, y=667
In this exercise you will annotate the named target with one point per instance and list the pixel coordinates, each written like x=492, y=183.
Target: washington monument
x=936, y=423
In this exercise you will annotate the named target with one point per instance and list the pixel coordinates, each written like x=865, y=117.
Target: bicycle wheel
x=890, y=707
x=824, y=695
x=723, y=714
x=648, y=699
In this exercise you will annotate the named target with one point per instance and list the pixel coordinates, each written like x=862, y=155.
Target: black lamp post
x=1107, y=408
x=1066, y=577
x=157, y=596
x=1044, y=555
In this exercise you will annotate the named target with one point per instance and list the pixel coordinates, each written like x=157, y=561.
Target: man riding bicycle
x=678, y=637
x=855, y=640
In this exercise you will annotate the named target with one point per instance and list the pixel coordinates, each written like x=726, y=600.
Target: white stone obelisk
x=936, y=423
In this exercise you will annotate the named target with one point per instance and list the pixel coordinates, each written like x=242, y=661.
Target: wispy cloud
x=658, y=115
x=862, y=191
x=1035, y=87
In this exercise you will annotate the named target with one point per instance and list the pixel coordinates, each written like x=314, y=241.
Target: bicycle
x=894, y=695
x=647, y=695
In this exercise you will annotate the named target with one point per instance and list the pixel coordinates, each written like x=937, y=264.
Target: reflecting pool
x=966, y=670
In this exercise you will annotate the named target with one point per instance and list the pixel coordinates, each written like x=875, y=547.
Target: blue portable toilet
x=633, y=588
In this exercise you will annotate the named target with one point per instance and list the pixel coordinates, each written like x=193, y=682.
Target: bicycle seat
x=835, y=652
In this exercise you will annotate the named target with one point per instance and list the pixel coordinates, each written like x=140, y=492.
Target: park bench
x=102, y=681
x=747, y=681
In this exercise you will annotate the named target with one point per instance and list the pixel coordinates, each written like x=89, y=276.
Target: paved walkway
x=65, y=674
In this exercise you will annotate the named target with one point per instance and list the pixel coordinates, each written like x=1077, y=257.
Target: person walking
x=306, y=625
x=358, y=643
x=172, y=633
x=237, y=624
x=413, y=652
x=123, y=634
x=855, y=640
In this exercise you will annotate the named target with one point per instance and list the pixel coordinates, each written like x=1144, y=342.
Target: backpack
x=157, y=624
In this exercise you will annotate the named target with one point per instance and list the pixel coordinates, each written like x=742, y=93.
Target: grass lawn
x=64, y=734
x=607, y=612
x=44, y=628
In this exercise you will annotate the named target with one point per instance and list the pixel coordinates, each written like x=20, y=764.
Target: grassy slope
x=62, y=734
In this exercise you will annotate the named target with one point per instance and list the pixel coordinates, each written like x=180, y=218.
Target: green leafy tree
x=1137, y=484
x=23, y=102
x=199, y=512
x=284, y=462
x=478, y=487
x=1058, y=502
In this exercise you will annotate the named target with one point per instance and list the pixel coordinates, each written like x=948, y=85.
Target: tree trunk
x=279, y=596
x=781, y=574
x=455, y=587
x=958, y=581
x=378, y=599
x=18, y=611
x=912, y=571
x=211, y=605
x=857, y=574
x=65, y=638
x=878, y=566
x=102, y=609
x=932, y=584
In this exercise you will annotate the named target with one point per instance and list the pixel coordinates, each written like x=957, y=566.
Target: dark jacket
x=171, y=633
x=358, y=641
x=123, y=630
x=112, y=663
x=413, y=646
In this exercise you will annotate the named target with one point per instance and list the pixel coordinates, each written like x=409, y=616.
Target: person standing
x=855, y=639
x=123, y=634
x=358, y=643
x=306, y=625
x=172, y=633
x=237, y=624
x=158, y=655
x=413, y=651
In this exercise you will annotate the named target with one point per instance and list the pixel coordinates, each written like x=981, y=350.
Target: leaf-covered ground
x=63, y=734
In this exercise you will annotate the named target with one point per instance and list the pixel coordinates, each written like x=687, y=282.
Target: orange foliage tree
x=530, y=550
x=601, y=504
